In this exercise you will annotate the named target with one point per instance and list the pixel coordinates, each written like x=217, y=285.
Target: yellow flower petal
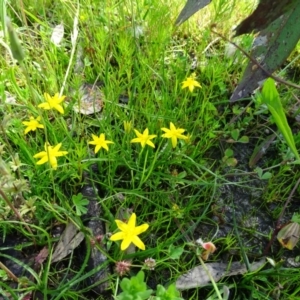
x=138, y=242
x=44, y=106
x=190, y=83
x=40, y=154
x=140, y=229
x=121, y=225
x=100, y=142
x=173, y=133
x=49, y=155
x=59, y=108
x=117, y=236
x=32, y=124
x=129, y=233
x=42, y=161
x=53, y=102
x=144, y=138
x=125, y=243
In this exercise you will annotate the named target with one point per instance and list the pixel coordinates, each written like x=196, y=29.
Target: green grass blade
x=271, y=98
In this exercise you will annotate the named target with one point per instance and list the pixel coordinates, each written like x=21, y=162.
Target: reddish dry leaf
x=40, y=258
x=28, y=296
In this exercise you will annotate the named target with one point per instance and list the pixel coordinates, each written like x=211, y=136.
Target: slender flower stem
x=211, y=278
x=74, y=36
x=156, y=155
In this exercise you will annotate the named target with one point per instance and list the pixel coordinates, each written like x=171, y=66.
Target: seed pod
x=15, y=45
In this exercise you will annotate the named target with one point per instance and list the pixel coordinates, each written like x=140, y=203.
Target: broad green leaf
x=271, y=48
x=270, y=97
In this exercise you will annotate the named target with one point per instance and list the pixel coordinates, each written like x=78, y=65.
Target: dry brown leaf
x=69, y=240
x=198, y=276
x=43, y=254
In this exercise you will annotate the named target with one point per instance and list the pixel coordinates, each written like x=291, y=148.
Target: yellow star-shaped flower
x=174, y=133
x=129, y=233
x=144, y=138
x=53, y=102
x=50, y=155
x=100, y=142
x=32, y=124
x=190, y=83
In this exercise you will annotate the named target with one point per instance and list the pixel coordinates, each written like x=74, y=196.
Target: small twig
x=23, y=13
x=278, y=79
x=277, y=227
x=8, y=272
x=210, y=44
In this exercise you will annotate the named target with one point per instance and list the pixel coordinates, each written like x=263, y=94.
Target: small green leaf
x=80, y=204
x=228, y=152
x=235, y=134
x=211, y=107
x=167, y=294
x=259, y=172
x=237, y=109
x=296, y=218
x=231, y=162
x=244, y=139
x=134, y=288
x=175, y=252
x=266, y=175
x=182, y=175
